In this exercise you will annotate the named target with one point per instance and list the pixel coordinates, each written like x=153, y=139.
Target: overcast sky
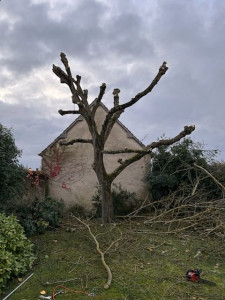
x=121, y=43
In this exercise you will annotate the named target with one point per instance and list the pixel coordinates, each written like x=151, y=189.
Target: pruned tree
x=98, y=139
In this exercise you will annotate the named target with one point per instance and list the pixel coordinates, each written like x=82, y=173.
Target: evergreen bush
x=172, y=169
x=39, y=216
x=16, y=255
x=12, y=174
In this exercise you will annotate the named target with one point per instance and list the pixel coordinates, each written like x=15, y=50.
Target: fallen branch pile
x=190, y=213
x=177, y=212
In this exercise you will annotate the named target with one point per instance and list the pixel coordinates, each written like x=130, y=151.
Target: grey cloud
x=32, y=132
x=122, y=43
x=36, y=39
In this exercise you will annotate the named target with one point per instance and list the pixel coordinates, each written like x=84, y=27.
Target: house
x=69, y=168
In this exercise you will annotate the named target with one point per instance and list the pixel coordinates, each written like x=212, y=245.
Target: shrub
x=16, y=255
x=39, y=216
x=78, y=211
x=124, y=202
x=172, y=169
x=12, y=174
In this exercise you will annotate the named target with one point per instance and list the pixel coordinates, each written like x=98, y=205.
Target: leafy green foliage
x=172, y=168
x=78, y=211
x=16, y=255
x=12, y=174
x=124, y=201
x=39, y=216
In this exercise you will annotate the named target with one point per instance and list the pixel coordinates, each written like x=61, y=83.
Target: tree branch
x=187, y=130
x=102, y=254
x=153, y=145
x=82, y=93
x=161, y=72
x=69, y=74
x=67, y=112
x=210, y=175
x=76, y=141
x=66, y=64
x=108, y=124
x=69, y=80
x=123, y=164
x=127, y=151
x=98, y=99
x=61, y=74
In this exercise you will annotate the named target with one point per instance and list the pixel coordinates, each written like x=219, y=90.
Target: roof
x=63, y=135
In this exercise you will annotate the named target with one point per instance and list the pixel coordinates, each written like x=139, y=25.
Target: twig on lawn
x=60, y=281
x=102, y=254
x=117, y=240
x=86, y=284
x=76, y=265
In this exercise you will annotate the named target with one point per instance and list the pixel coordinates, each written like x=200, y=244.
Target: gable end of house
x=63, y=135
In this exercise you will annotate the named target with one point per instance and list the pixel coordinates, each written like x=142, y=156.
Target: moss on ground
x=145, y=263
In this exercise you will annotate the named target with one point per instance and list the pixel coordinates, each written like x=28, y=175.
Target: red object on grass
x=193, y=275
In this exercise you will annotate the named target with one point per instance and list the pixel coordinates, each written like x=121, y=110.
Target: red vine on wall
x=52, y=161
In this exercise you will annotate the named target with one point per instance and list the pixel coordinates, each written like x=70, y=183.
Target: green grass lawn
x=145, y=263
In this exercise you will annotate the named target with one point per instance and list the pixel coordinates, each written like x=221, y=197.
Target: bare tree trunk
x=106, y=202
x=104, y=180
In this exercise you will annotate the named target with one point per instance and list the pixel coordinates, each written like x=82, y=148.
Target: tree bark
x=104, y=180
x=106, y=201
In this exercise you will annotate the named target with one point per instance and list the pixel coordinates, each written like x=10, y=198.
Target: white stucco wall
x=77, y=182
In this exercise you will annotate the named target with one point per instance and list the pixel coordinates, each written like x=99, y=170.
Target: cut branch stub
x=67, y=112
x=116, y=96
x=64, y=60
x=78, y=79
x=61, y=74
x=85, y=94
x=188, y=129
x=163, y=68
x=101, y=92
x=116, y=92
